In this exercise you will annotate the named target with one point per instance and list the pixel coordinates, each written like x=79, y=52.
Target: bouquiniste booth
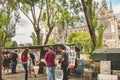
x=108, y=54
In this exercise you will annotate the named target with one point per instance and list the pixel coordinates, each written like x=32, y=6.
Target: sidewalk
x=20, y=76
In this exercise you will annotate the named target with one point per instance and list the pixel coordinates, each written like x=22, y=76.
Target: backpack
x=32, y=56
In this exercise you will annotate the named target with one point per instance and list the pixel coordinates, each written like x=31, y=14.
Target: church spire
x=111, y=9
x=104, y=4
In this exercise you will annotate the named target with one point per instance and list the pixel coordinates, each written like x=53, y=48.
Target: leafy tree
x=90, y=7
x=100, y=30
x=8, y=20
x=58, y=14
x=71, y=37
x=51, y=41
x=89, y=12
x=8, y=43
x=81, y=39
x=34, y=38
x=53, y=13
x=14, y=44
x=30, y=8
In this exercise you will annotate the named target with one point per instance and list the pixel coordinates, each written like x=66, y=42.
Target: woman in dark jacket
x=6, y=61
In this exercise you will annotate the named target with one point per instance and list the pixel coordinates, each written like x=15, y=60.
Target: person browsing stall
x=64, y=62
x=50, y=63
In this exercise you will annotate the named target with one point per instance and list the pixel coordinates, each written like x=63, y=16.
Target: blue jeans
x=26, y=70
x=65, y=73
x=50, y=73
x=14, y=67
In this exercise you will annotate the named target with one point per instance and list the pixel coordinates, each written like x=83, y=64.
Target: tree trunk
x=38, y=36
x=91, y=31
x=0, y=62
x=48, y=35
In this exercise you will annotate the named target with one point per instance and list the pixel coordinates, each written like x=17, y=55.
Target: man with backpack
x=32, y=63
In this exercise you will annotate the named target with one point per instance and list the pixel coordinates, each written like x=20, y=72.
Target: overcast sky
x=24, y=28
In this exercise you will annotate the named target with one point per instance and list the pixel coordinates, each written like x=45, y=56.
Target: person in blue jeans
x=24, y=59
x=14, y=60
x=26, y=70
x=50, y=63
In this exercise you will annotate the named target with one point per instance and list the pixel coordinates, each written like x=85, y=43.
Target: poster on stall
x=72, y=62
x=72, y=55
x=105, y=67
x=58, y=74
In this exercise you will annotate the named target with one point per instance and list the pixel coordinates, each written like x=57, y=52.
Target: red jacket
x=23, y=59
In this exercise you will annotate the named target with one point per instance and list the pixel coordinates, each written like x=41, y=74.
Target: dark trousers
x=26, y=70
x=14, y=67
x=65, y=73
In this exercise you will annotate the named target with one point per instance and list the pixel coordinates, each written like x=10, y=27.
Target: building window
x=119, y=37
x=107, y=36
x=118, y=27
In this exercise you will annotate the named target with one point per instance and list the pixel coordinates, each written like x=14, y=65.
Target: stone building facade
x=111, y=36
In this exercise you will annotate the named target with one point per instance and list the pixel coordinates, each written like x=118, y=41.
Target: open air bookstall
x=41, y=50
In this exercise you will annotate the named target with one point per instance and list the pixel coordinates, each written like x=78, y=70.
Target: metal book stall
x=107, y=62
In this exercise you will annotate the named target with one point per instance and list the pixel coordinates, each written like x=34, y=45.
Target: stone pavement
x=20, y=76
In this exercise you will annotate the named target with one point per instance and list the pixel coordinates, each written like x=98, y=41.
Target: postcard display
x=72, y=55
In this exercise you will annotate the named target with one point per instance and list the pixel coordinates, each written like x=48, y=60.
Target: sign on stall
x=107, y=77
x=58, y=74
x=105, y=67
x=72, y=55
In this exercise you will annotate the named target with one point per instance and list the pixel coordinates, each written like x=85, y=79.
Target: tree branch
x=40, y=13
x=48, y=20
x=53, y=17
x=26, y=15
x=32, y=12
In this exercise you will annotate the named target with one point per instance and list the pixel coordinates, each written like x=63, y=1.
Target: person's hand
x=59, y=61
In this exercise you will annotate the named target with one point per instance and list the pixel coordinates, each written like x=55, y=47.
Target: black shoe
x=35, y=75
x=15, y=72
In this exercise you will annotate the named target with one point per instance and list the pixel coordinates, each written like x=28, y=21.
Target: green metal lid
x=107, y=50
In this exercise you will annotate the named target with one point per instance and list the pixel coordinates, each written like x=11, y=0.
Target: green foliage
x=8, y=21
x=51, y=42
x=14, y=44
x=100, y=30
x=92, y=6
x=81, y=39
x=34, y=38
x=54, y=13
x=72, y=36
